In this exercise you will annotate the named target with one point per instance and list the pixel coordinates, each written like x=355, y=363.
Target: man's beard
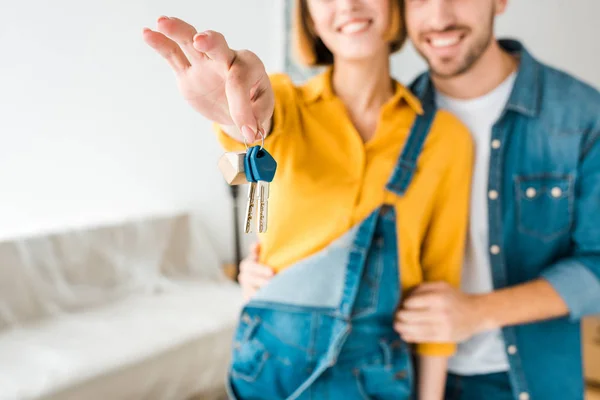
x=474, y=53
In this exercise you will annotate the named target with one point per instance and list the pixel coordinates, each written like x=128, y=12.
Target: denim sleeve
x=577, y=279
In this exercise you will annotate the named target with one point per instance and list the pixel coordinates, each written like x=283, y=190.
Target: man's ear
x=501, y=6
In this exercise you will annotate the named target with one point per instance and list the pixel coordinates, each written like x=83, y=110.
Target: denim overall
x=323, y=328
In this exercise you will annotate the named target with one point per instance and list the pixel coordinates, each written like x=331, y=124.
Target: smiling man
x=532, y=264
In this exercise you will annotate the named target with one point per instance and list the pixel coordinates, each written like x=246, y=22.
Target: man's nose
x=440, y=14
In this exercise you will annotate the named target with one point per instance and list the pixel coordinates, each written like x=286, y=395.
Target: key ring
x=262, y=137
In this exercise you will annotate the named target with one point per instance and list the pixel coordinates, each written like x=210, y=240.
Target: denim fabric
x=479, y=387
x=545, y=223
x=323, y=328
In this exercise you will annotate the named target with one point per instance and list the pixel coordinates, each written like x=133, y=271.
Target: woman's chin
x=361, y=56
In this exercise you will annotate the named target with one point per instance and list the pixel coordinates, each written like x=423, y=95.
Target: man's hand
x=252, y=274
x=437, y=312
x=226, y=86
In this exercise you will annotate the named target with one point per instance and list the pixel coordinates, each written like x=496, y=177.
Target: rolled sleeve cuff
x=577, y=286
x=436, y=349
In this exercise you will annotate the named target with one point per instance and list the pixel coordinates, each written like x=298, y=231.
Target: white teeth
x=354, y=27
x=444, y=42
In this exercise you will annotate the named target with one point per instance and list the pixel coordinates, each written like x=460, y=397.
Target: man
x=532, y=266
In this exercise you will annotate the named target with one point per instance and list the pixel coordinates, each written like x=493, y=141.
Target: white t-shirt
x=484, y=353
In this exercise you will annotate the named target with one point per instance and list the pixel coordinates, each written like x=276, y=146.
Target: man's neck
x=363, y=85
x=492, y=68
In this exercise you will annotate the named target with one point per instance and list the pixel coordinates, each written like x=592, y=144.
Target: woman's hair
x=312, y=51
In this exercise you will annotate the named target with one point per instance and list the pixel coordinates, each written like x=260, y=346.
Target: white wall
x=563, y=33
x=92, y=128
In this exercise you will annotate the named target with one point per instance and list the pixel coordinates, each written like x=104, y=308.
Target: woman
x=370, y=199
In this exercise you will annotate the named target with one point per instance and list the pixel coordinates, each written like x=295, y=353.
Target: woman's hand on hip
x=253, y=275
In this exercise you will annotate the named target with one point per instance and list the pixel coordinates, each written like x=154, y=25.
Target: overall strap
x=357, y=260
x=407, y=163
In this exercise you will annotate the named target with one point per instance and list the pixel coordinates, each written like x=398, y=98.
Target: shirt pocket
x=544, y=205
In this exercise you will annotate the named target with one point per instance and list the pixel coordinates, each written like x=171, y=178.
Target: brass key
x=250, y=207
x=263, y=206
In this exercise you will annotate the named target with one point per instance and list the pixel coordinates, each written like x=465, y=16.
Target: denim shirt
x=545, y=222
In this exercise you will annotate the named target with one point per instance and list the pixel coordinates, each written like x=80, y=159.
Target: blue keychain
x=248, y=168
x=262, y=165
x=260, y=168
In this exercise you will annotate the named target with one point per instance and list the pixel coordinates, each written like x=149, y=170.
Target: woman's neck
x=363, y=85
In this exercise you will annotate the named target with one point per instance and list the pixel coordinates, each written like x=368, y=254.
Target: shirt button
x=496, y=144
x=493, y=195
x=556, y=192
x=512, y=349
x=524, y=396
x=495, y=249
x=530, y=192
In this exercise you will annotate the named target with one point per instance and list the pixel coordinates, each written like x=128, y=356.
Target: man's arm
x=577, y=279
x=571, y=286
x=530, y=302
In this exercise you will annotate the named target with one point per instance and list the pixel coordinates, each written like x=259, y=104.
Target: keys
x=260, y=168
x=250, y=207
x=249, y=176
x=264, y=166
x=256, y=167
x=263, y=204
x=233, y=166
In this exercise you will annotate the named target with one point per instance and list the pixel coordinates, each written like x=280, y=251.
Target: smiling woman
x=341, y=257
x=314, y=46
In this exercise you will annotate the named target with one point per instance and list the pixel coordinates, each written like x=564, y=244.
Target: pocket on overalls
x=388, y=376
x=249, y=354
x=263, y=366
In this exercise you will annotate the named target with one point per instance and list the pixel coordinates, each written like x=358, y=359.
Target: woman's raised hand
x=226, y=86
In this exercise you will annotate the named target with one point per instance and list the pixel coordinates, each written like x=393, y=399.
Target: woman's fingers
x=183, y=34
x=237, y=90
x=253, y=275
x=254, y=251
x=255, y=270
x=168, y=49
x=263, y=105
x=224, y=85
x=215, y=47
x=253, y=281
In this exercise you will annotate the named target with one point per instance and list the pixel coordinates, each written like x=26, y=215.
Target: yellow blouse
x=328, y=179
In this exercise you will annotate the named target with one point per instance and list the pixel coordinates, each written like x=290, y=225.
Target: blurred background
x=115, y=223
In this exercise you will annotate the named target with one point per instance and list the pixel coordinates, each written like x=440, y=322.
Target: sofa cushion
x=81, y=268
x=57, y=354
